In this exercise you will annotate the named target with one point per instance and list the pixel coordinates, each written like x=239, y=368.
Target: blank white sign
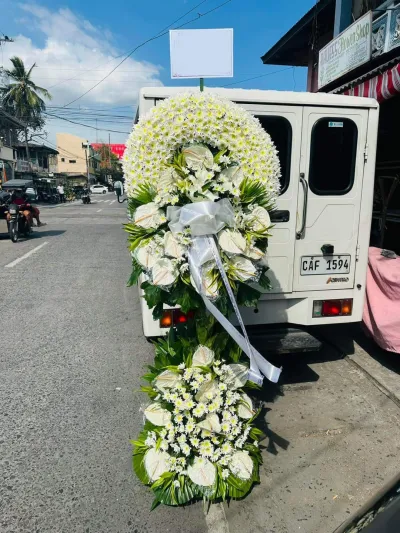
x=201, y=53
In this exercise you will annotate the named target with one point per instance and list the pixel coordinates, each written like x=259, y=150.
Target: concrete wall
x=70, y=149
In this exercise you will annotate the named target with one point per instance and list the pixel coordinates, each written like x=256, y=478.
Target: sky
x=75, y=44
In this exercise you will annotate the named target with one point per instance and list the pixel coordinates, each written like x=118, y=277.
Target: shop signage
x=347, y=51
x=394, y=29
x=380, y=35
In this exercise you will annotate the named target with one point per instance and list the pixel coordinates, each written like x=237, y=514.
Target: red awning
x=381, y=87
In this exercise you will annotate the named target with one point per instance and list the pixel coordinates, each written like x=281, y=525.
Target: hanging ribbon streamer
x=205, y=220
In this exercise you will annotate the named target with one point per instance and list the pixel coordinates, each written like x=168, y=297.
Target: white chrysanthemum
x=166, y=380
x=232, y=242
x=245, y=408
x=218, y=123
x=157, y=415
x=149, y=216
x=164, y=273
x=241, y=465
x=156, y=463
x=203, y=356
x=202, y=472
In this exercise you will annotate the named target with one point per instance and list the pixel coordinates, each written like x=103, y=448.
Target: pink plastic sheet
x=382, y=305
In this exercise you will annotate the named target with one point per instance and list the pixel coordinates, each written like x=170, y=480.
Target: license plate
x=312, y=265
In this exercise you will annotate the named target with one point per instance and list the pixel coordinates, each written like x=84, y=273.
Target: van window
x=280, y=130
x=332, y=156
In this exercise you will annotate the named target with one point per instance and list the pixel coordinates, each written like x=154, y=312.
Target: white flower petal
x=146, y=256
x=239, y=376
x=231, y=241
x=203, y=356
x=198, y=156
x=241, y=465
x=208, y=387
x=164, y=273
x=166, y=380
x=245, y=408
x=259, y=219
x=156, y=463
x=254, y=253
x=157, y=415
x=243, y=269
x=202, y=472
x=210, y=423
x=172, y=247
x=234, y=174
x=149, y=216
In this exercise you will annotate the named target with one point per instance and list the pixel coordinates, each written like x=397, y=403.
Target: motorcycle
x=85, y=197
x=18, y=224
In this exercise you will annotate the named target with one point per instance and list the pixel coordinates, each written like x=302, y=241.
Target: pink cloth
x=382, y=305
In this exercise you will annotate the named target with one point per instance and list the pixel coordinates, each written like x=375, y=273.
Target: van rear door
x=283, y=123
x=331, y=178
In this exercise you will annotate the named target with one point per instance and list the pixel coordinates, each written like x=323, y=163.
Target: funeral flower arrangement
x=198, y=166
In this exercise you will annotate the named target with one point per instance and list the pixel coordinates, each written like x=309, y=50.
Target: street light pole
x=86, y=146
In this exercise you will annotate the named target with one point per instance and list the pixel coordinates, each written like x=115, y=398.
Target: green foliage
x=247, y=295
x=254, y=192
x=136, y=271
x=144, y=194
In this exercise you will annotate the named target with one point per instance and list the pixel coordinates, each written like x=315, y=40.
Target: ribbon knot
x=207, y=219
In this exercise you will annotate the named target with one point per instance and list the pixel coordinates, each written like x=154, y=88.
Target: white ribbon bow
x=206, y=219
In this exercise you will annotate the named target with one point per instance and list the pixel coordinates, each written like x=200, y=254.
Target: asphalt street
x=72, y=354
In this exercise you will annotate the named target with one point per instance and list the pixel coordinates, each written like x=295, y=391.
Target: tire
x=104, y=192
x=13, y=231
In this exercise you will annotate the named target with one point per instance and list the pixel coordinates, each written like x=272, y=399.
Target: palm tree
x=21, y=96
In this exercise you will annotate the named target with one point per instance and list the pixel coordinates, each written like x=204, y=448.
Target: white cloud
x=74, y=48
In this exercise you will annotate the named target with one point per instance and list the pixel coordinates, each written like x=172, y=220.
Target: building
x=352, y=47
x=77, y=159
x=42, y=161
x=9, y=128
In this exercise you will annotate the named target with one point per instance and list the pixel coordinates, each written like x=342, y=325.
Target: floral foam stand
x=201, y=176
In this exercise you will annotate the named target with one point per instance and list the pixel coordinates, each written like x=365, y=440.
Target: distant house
x=9, y=128
x=77, y=159
x=42, y=163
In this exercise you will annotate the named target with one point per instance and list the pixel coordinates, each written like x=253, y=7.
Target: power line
x=200, y=15
x=86, y=125
x=256, y=77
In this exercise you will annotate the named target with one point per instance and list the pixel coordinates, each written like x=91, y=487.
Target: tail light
x=327, y=308
x=173, y=317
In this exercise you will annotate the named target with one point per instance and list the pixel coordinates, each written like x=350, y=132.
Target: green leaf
x=158, y=311
x=247, y=296
x=144, y=194
x=136, y=271
x=149, y=391
x=256, y=434
x=264, y=281
x=152, y=294
x=255, y=192
x=138, y=464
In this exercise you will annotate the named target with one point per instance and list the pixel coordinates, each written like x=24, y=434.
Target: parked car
x=100, y=189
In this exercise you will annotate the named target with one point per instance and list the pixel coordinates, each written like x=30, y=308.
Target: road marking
x=112, y=201
x=98, y=211
x=216, y=519
x=13, y=263
x=105, y=201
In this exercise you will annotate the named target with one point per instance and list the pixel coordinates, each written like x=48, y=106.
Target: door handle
x=303, y=181
x=280, y=215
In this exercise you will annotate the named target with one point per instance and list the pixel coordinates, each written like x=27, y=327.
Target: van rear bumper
x=282, y=338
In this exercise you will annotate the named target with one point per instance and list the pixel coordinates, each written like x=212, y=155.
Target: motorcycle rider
x=30, y=212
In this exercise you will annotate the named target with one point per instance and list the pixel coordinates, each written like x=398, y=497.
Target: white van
x=318, y=251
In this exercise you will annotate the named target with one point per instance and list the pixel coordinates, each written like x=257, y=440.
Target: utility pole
x=6, y=39
x=109, y=157
x=86, y=147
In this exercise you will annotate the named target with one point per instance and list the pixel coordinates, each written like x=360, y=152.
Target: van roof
x=270, y=97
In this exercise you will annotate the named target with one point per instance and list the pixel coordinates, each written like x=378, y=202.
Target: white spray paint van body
x=318, y=251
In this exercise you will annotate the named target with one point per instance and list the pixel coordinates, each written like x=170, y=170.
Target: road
x=71, y=360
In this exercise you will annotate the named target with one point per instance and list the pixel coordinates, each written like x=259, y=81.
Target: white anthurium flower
x=156, y=463
x=254, y=253
x=166, y=179
x=232, y=242
x=164, y=272
x=245, y=407
x=157, y=415
x=166, y=380
x=241, y=465
x=234, y=175
x=242, y=269
x=198, y=156
x=203, y=356
x=206, y=389
x=210, y=423
x=147, y=256
x=259, y=219
x=172, y=247
x=149, y=216
x=238, y=376
x=202, y=472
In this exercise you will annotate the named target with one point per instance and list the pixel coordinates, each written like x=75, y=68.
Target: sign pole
x=201, y=85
